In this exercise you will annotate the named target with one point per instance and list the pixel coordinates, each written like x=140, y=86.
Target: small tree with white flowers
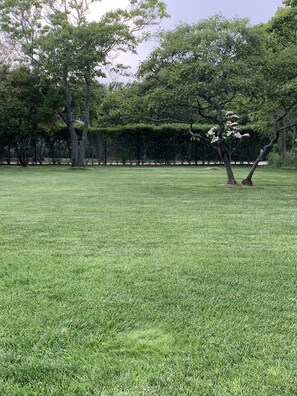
x=225, y=139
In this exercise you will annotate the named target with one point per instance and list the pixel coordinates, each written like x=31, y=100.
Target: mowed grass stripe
x=147, y=281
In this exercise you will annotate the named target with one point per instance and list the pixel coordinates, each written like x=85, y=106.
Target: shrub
x=287, y=160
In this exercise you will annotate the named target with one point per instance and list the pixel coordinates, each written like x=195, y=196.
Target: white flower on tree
x=212, y=131
x=232, y=131
x=215, y=139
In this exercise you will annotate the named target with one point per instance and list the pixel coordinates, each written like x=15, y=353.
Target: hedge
x=136, y=144
x=165, y=144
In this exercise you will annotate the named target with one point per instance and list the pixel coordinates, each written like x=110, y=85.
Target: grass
x=147, y=281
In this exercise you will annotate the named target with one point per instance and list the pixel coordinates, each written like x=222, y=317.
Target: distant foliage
x=286, y=160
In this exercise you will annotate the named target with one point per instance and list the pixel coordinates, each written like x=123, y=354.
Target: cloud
x=99, y=8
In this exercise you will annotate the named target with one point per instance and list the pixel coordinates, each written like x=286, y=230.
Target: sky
x=194, y=10
x=191, y=11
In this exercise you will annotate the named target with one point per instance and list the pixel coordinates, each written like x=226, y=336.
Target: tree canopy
x=200, y=72
x=59, y=43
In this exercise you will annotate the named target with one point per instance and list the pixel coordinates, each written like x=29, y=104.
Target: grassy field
x=147, y=281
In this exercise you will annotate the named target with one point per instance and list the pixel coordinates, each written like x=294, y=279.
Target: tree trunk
x=283, y=142
x=70, y=126
x=78, y=147
x=248, y=180
x=230, y=175
x=224, y=150
x=40, y=149
x=266, y=149
x=83, y=142
x=22, y=151
x=294, y=137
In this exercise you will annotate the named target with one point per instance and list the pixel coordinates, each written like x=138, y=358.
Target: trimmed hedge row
x=136, y=144
x=165, y=144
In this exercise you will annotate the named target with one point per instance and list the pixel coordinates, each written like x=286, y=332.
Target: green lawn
x=127, y=281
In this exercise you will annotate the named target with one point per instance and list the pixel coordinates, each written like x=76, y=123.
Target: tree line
x=221, y=72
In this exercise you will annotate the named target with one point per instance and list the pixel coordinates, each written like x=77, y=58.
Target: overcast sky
x=191, y=11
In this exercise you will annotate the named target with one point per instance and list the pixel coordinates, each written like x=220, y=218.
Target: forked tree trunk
x=266, y=150
x=248, y=180
x=78, y=147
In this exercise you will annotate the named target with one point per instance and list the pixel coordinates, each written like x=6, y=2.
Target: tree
x=200, y=72
x=24, y=115
x=62, y=45
x=123, y=104
x=276, y=103
x=283, y=24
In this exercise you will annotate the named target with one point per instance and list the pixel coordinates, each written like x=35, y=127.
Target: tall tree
x=199, y=72
x=276, y=103
x=59, y=41
x=24, y=116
